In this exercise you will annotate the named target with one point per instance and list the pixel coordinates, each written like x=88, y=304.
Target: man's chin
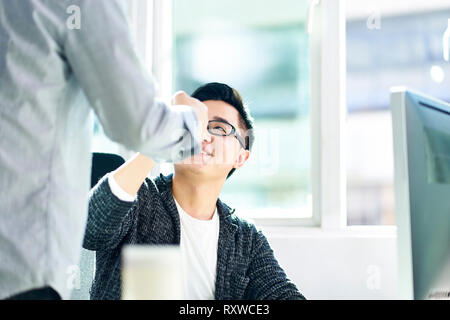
x=199, y=160
x=193, y=168
x=201, y=170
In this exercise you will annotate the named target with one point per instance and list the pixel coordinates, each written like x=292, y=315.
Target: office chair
x=102, y=163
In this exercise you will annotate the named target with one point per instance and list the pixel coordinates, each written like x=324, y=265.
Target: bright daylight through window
x=387, y=45
x=264, y=54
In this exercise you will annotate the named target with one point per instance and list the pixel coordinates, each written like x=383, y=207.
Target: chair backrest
x=102, y=163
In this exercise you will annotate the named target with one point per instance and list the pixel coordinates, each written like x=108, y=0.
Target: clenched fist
x=200, y=109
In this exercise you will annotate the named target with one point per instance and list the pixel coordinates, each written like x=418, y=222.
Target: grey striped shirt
x=51, y=77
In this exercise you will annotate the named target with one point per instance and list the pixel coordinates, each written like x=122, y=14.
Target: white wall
x=356, y=263
x=348, y=264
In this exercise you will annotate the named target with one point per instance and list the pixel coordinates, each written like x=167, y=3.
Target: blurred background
x=262, y=50
x=389, y=43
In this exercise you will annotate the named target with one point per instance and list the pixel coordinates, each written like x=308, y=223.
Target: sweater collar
x=164, y=184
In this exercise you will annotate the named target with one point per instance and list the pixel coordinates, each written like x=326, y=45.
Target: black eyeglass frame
x=233, y=132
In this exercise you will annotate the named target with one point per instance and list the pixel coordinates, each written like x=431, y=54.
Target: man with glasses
x=223, y=256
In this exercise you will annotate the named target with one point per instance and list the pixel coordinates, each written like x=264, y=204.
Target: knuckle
x=180, y=94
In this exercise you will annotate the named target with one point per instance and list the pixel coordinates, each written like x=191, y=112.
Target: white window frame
x=326, y=24
x=328, y=111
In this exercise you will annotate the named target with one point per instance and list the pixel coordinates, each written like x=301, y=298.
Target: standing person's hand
x=200, y=109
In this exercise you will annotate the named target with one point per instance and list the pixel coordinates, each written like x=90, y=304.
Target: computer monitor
x=421, y=132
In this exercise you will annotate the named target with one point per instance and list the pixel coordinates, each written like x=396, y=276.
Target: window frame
x=326, y=21
x=326, y=196
x=328, y=104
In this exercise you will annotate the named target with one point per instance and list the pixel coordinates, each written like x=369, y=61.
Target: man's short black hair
x=223, y=92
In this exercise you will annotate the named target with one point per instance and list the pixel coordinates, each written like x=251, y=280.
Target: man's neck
x=197, y=198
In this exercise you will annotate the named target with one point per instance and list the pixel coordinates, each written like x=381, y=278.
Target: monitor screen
x=421, y=127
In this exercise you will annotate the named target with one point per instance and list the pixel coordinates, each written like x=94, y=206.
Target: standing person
x=51, y=77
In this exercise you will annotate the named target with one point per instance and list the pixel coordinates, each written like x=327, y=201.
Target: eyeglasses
x=223, y=129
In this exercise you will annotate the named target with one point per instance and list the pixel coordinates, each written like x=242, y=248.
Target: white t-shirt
x=198, y=243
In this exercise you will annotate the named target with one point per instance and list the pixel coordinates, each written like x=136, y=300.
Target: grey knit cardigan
x=246, y=266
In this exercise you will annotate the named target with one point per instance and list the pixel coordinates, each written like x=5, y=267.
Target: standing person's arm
x=104, y=61
x=113, y=201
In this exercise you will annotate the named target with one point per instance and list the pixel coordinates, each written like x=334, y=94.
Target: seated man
x=224, y=255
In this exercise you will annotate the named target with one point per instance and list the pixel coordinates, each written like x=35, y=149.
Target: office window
x=261, y=50
x=388, y=44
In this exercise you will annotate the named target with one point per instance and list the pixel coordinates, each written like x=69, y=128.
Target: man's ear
x=241, y=159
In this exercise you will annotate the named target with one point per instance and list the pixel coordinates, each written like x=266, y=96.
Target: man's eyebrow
x=221, y=119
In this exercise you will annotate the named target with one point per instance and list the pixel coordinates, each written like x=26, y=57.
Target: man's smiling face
x=219, y=154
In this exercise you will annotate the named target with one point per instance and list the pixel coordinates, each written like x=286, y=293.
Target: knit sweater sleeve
x=268, y=281
x=109, y=218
